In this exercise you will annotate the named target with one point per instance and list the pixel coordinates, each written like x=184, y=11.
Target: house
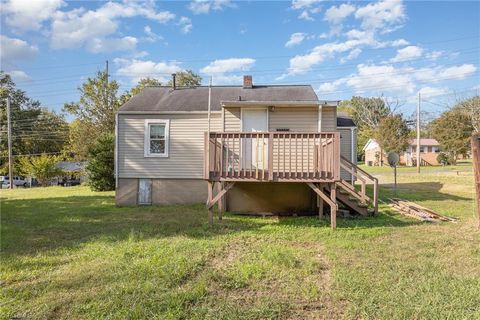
x=269, y=148
x=429, y=149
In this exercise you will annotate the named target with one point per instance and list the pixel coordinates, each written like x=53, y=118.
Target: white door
x=255, y=151
x=144, y=191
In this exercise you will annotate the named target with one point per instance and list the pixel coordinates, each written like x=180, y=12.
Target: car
x=65, y=182
x=17, y=181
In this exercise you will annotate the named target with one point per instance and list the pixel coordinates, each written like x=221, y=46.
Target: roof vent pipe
x=174, y=84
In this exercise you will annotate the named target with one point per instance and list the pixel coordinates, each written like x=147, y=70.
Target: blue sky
x=389, y=48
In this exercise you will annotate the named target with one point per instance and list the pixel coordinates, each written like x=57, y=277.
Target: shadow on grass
x=30, y=225
x=418, y=191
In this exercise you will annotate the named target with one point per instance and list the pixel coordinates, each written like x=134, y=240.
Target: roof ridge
x=230, y=86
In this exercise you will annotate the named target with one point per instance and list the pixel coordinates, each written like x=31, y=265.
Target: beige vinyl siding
x=329, y=119
x=296, y=119
x=231, y=120
x=185, y=160
x=346, y=148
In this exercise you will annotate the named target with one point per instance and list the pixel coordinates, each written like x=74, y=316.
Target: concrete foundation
x=164, y=191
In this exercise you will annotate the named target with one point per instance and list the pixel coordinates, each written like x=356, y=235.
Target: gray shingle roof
x=162, y=98
x=344, y=120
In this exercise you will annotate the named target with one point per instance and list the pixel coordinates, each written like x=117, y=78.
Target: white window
x=156, y=138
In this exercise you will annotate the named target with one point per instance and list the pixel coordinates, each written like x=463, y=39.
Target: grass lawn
x=70, y=253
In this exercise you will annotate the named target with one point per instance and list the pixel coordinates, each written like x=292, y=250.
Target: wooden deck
x=309, y=157
x=272, y=156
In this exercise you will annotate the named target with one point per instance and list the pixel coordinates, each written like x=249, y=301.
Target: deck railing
x=272, y=156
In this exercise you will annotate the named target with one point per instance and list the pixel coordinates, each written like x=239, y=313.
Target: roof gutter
x=269, y=103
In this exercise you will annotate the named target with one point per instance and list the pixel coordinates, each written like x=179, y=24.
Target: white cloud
x=352, y=55
x=295, y=39
x=185, y=24
x=138, y=69
x=303, y=63
x=25, y=15
x=434, y=55
x=399, y=43
x=218, y=69
x=94, y=29
x=457, y=72
x=205, y=6
x=228, y=65
x=384, y=77
x=97, y=45
x=384, y=15
x=407, y=53
x=15, y=49
x=308, y=7
x=151, y=36
x=377, y=79
x=336, y=15
x=19, y=75
x=431, y=91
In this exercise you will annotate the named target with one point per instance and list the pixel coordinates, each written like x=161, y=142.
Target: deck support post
x=320, y=205
x=209, y=200
x=221, y=202
x=333, y=209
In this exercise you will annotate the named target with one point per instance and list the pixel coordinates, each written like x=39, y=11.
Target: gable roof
x=163, y=98
x=344, y=120
x=424, y=142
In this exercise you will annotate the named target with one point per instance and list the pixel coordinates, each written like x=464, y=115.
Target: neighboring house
x=72, y=170
x=374, y=155
x=429, y=149
x=280, y=135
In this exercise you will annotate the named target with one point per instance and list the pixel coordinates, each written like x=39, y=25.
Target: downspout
x=352, y=145
x=116, y=151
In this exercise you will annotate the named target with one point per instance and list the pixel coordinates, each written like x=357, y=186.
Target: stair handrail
x=356, y=172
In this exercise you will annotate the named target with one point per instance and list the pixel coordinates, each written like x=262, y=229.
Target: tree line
x=378, y=118
x=90, y=137
x=42, y=137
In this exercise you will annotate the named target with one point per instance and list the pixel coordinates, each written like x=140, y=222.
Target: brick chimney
x=247, y=82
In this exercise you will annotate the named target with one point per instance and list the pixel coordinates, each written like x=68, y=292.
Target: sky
x=394, y=49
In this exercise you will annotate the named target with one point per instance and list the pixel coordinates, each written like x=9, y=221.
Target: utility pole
x=9, y=138
x=418, y=133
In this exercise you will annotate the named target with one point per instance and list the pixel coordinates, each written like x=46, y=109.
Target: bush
x=101, y=162
x=43, y=168
x=443, y=158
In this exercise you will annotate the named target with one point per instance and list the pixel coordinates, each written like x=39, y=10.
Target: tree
x=43, y=167
x=139, y=87
x=367, y=114
x=186, y=78
x=100, y=167
x=98, y=103
x=452, y=130
x=392, y=134
x=471, y=108
x=95, y=113
x=35, y=129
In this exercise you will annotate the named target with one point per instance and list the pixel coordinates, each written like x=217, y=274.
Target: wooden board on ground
x=416, y=211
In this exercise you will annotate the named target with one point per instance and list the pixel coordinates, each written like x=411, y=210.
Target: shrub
x=443, y=158
x=43, y=167
x=101, y=161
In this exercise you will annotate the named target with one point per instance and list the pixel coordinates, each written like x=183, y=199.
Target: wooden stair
x=352, y=202
x=357, y=200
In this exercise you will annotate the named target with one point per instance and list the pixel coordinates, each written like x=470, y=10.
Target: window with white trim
x=156, y=138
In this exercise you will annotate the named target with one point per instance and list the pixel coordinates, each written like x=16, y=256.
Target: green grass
x=70, y=253
x=461, y=166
